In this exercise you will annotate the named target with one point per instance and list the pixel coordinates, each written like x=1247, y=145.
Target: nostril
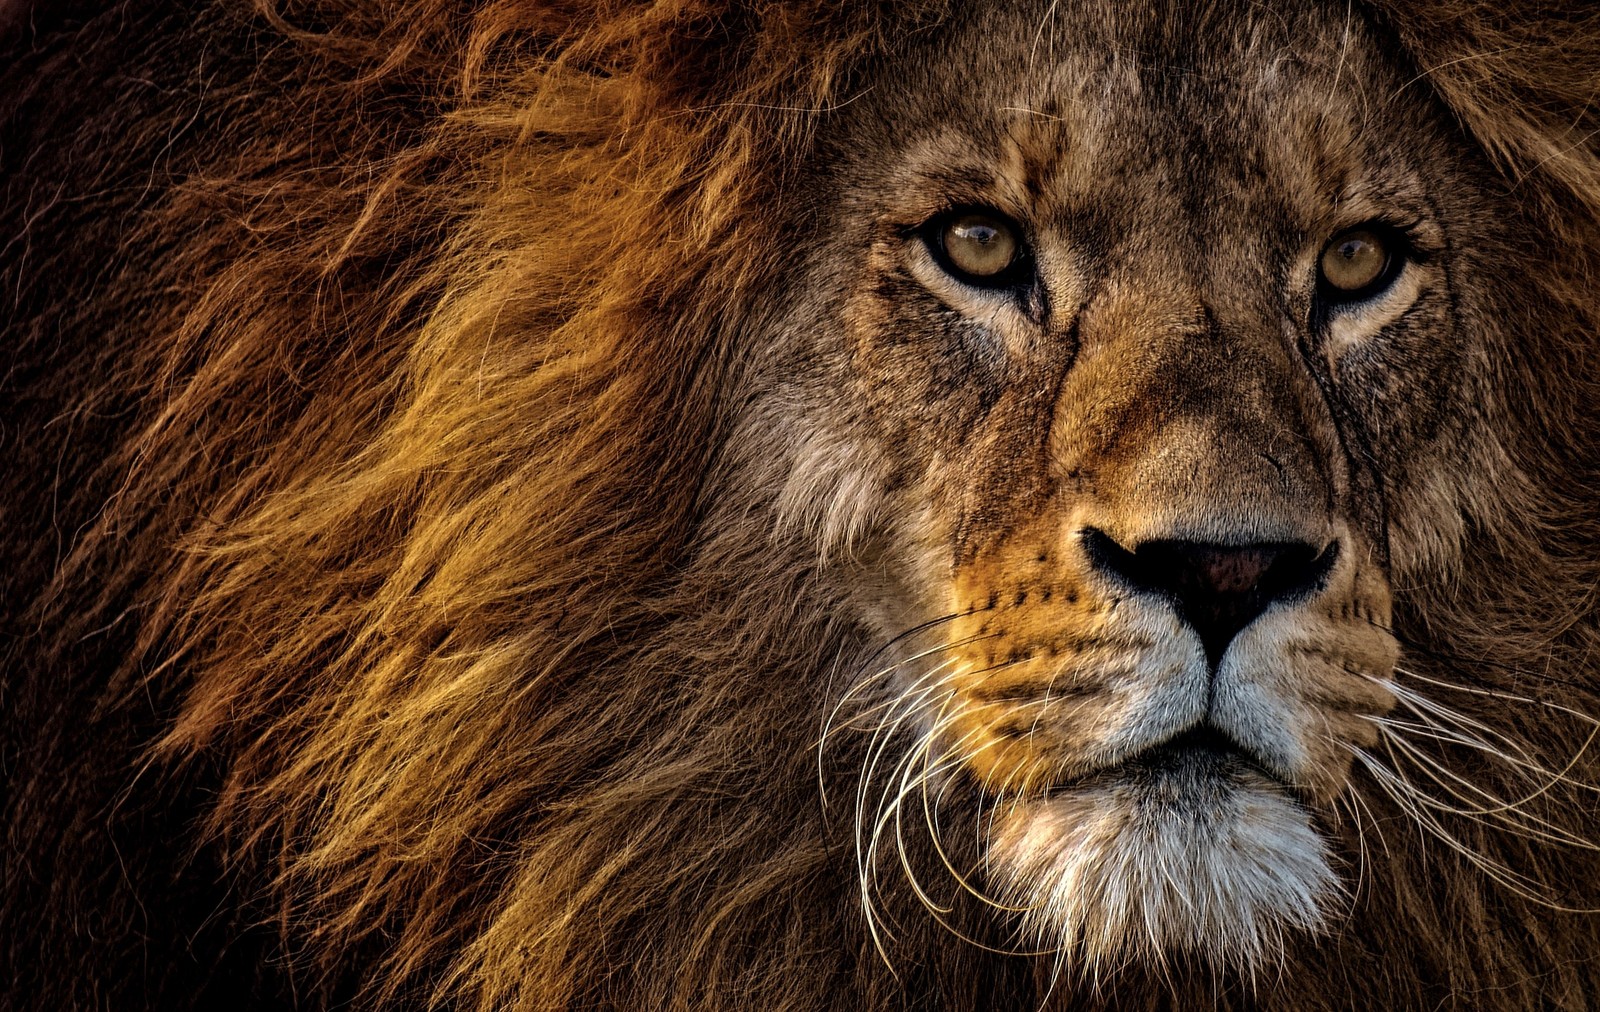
x=1217, y=588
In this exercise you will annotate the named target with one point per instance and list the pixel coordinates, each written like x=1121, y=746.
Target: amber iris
x=1355, y=262
x=979, y=245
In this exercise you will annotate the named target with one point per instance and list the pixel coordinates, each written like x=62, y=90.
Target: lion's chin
x=1190, y=852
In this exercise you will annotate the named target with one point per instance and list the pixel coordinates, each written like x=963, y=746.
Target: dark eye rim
x=1399, y=250
x=1019, y=274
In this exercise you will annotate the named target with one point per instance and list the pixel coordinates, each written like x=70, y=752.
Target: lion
x=717, y=505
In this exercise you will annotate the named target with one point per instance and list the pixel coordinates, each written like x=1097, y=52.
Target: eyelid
x=1405, y=233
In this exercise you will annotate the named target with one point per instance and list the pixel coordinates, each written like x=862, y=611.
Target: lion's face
x=1141, y=385
x=498, y=491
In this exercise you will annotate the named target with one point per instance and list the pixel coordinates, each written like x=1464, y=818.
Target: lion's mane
x=373, y=368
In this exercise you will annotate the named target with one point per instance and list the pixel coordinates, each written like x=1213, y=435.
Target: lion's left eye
x=980, y=247
x=1360, y=263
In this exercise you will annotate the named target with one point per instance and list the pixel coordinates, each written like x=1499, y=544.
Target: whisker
x=1422, y=706
x=1500, y=694
x=827, y=726
x=1550, y=777
x=908, y=703
x=891, y=810
x=1377, y=826
x=930, y=816
x=1427, y=710
x=906, y=767
x=1403, y=793
x=1345, y=806
x=881, y=674
x=1527, y=824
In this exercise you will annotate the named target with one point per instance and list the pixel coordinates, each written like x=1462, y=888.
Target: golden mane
x=408, y=390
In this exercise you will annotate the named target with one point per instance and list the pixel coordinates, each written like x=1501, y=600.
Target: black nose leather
x=1218, y=589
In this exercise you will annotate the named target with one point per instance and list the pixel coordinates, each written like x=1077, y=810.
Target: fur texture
x=416, y=594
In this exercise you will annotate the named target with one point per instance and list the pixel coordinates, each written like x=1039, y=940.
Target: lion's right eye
x=979, y=247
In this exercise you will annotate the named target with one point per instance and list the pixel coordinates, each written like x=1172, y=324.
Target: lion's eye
x=978, y=247
x=1358, y=264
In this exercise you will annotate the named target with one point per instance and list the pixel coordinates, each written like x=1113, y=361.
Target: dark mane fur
x=364, y=634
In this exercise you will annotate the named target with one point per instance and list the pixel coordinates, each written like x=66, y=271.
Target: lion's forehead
x=1113, y=116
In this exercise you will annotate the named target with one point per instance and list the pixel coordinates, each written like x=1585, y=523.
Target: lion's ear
x=1523, y=76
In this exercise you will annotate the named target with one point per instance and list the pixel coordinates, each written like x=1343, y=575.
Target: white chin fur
x=1209, y=863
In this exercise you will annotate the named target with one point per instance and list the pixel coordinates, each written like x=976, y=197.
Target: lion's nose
x=1218, y=589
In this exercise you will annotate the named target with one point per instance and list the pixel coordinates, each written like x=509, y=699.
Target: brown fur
x=377, y=627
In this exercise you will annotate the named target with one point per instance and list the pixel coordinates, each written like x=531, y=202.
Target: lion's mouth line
x=1200, y=753
x=1200, y=741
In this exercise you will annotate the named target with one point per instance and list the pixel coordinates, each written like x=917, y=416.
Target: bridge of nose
x=1182, y=426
